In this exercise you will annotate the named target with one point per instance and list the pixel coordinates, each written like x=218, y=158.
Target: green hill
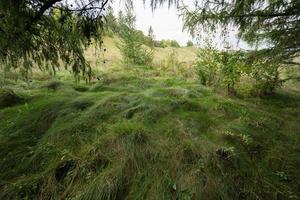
x=113, y=55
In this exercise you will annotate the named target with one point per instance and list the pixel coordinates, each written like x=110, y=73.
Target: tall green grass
x=136, y=135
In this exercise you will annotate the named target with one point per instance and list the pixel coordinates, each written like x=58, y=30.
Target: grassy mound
x=9, y=98
x=129, y=137
x=54, y=85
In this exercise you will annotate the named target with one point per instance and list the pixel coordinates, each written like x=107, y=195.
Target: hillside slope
x=113, y=56
x=139, y=135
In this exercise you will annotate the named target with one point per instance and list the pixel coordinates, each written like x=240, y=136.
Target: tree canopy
x=42, y=32
x=275, y=23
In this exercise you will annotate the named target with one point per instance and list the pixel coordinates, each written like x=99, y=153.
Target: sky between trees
x=168, y=25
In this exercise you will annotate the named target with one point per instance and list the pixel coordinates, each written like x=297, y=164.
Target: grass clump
x=9, y=98
x=80, y=88
x=54, y=85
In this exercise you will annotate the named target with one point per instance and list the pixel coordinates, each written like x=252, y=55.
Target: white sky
x=167, y=25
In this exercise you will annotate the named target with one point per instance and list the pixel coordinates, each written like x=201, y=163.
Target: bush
x=207, y=66
x=169, y=43
x=174, y=43
x=143, y=57
x=219, y=68
x=157, y=43
x=165, y=43
x=230, y=63
x=225, y=68
x=171, y=61
x=266, y=76
x=148, y=41
x=189, y=44
x=133, y=50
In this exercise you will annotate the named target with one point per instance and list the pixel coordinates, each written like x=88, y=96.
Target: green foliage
x=230, y=69
x=165, y=43
x=169, y=43
x=225, y=68
x=133, y=50
x=275, y=23
x=189, y=44
x=266, y=76
x=112, y=26
x=137, y=135
x=174, y=43
x=157, y=43
x=207, y=66
x=116, y=26
x=41, y=33
x=131, y=46
x=171, y=62
x=149, y=39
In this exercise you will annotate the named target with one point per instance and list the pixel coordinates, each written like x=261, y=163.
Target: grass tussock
x=9, y=98
x=135, y=135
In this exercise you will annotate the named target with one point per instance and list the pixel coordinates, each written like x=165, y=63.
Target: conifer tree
x=42, y=32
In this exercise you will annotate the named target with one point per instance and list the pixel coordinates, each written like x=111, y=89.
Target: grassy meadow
x=145, y=132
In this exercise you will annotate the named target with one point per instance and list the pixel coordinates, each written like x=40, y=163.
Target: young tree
x=149, y=39
x=151, y=33
x=230, y=69
x=207, y=66
x=132, y=40
x=111, y=21
x=219, y=68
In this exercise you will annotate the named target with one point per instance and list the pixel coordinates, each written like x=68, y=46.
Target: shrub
x=174, y=43
x=266, y=76
x=148, y=41
x=165, y=43
x=207, y=66
x=172, y=62
x=157, y=43
x=169, y=43
x=230, y=63
x=189, y=44
x=133, y=51
x=225, y=68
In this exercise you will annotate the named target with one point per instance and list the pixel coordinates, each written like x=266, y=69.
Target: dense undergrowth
x=136, y=135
